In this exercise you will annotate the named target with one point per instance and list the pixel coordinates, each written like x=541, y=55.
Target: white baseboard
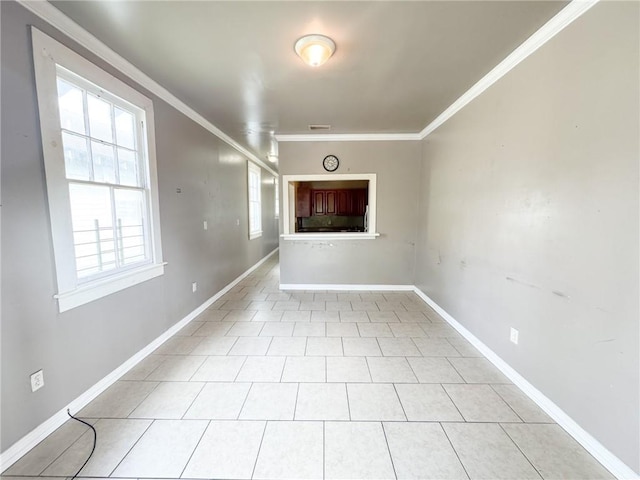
x=346, y=287
x=612, y=463
x=26, y=443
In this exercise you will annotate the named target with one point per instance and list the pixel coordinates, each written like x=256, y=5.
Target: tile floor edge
x=16, y=451
x=608, y=460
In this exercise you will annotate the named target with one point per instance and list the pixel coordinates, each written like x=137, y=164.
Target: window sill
x=329, y=236
x=254, y=235
x=102, y=288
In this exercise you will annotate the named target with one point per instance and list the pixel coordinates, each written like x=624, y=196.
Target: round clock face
x=330, y=163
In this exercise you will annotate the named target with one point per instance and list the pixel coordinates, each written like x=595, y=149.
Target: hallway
x=269, y=384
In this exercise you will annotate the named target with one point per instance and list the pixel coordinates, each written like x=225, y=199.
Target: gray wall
x=529, y=219
x=386, y=260
x=79, y=347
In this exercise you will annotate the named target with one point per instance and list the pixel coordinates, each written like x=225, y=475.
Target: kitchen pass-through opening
x=329, y=204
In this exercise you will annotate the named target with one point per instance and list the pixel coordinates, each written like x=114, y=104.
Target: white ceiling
x=397, y=66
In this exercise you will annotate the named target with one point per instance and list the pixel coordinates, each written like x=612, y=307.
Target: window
x=255, y=206
x=277, y=197
x=99, y=157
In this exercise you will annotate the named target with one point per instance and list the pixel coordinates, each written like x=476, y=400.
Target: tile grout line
x=366, y=359
x=404, y=412
x=442, y=386
x=69, y=446
x=255, y=463
x=284, y=366
x=457, y=371
x=158, y=383
x=263, y=283
x=324, y=449
x=519, y=449
x=199, y=367
x=379, y=348
x=244, y=402
x=413, y=370
x=295, y=405
x=454, y=449
x=240, y=369
x=386, y=440
x=326, y=367
x=453, y=346
x=195, y=448
x=204, y=384
x=506, y=403
x=132, y=447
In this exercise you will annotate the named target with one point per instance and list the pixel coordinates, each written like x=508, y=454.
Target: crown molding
x=347, y=137
x=561, y=20
x=545, y=33
x=71, y=29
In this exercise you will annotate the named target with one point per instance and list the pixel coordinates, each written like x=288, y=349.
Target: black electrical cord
x=95, y=440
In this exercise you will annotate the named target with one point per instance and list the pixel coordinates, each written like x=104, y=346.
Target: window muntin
x=99, y=156
x=104, y=166
x=255, y=204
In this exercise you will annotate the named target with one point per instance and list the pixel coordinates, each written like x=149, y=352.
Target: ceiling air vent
x=319, y=127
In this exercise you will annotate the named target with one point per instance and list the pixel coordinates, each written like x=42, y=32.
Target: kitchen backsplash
x=322, y=221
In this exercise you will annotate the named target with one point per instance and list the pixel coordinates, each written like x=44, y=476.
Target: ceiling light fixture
x=314, y=50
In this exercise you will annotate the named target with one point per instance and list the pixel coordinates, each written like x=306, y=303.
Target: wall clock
x=330, y=163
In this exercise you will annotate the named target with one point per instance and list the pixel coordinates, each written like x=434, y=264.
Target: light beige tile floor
x=269, y=384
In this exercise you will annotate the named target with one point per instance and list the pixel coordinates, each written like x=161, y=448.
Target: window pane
x=71, y=108
x=76, y=157
x=104, y=163
x=92, y=229
x=99, y=119
x=130, y=215
x=125, y=129
x=128, y=167
x=253, y=186
x=255, y=216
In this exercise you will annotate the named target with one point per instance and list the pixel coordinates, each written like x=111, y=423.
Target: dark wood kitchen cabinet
x=303, y=202
x=325, y=202
x=348, y=202
x=359, y=202
x=344, y=202
x=331, y=204
x=319, y=207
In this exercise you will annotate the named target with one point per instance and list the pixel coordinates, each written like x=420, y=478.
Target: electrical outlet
x=514, y=335
x=205, y=225
x=237, y=222
x=37, y=380
x=194, y=287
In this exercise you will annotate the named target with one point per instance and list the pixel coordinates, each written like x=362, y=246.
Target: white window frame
x=254, y=198
x=48, y=54
x=276, y=194
x=289, y=205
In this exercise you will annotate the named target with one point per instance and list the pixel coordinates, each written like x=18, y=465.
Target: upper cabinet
x=344, y=202
x=319, y=202
x=348, y=202
x=303, y=202
x=359, y=200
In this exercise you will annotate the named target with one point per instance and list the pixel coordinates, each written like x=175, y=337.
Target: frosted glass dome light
x=315, y=50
